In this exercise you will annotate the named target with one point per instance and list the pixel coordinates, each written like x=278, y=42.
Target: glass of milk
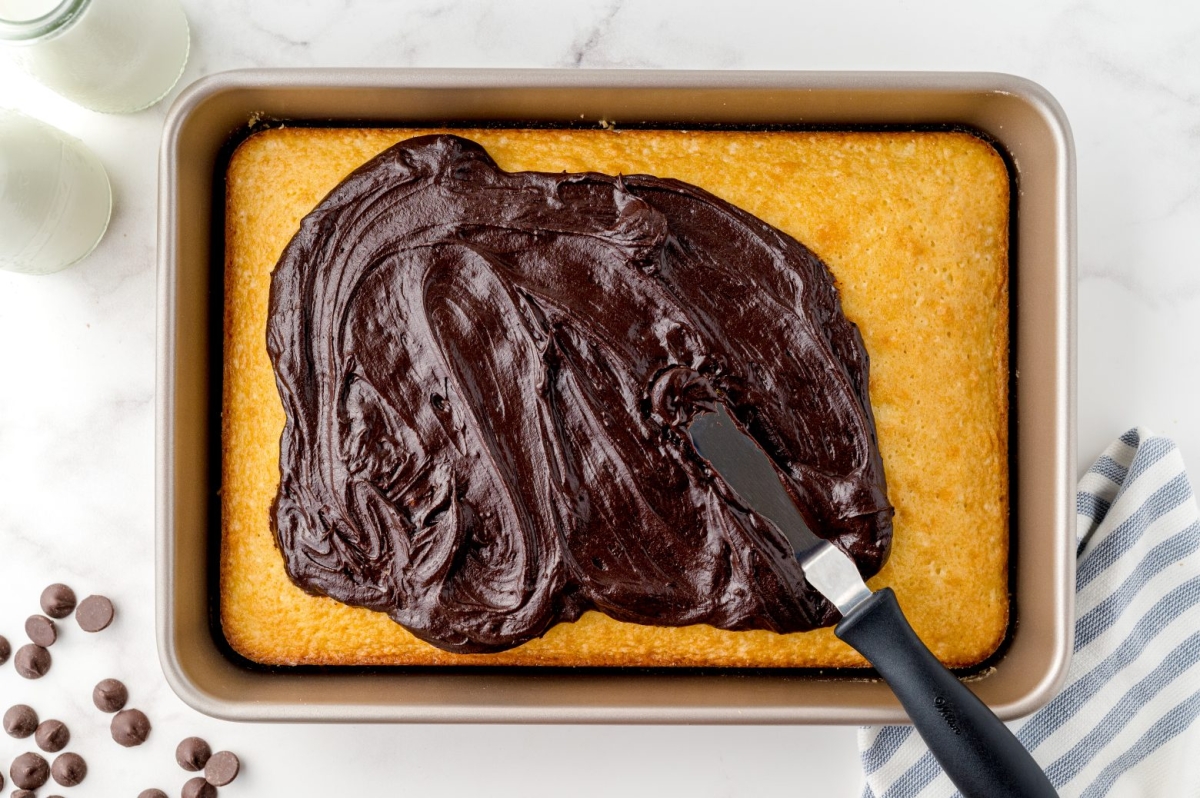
x=54, y=197
x=115, y=56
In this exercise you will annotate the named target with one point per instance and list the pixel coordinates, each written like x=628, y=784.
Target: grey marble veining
x=77, y=352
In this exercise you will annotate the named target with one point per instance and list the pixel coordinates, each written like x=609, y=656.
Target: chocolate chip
x=69, y=769
x=199, y=788
x=2, y=781
x=222, y=768
x=110, y=696
x=94, y=613
x=58, y=601
x=40, y=630
x=52, y=736
x=32, y=661
x=29, y=771
x=24, y=794
x=152, y=793
x=20, y=721
x=5, y=649
x=192, y=754
x=130, y=727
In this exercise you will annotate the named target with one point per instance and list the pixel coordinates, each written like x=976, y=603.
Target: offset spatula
x=979, y=754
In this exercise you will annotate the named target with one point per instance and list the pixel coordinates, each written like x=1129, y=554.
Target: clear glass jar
x=115, y=56
x=54, y=197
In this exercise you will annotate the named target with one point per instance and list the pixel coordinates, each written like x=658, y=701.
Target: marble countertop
x=77, y=352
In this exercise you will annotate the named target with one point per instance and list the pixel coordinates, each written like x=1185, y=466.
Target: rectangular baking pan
x=1021, y=118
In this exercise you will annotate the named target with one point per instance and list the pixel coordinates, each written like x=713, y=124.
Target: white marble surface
x=77, y=350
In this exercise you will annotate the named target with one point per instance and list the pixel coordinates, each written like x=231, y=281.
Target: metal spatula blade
x=747, y=469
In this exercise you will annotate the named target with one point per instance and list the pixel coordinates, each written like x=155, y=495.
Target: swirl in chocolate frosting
x=486, y=376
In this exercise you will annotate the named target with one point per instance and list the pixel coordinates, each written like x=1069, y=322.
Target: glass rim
x=33, y=29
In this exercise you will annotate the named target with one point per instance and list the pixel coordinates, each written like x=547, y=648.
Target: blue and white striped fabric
x=1125, y=722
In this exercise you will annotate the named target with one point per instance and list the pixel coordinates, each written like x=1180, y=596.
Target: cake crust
x=914, y=228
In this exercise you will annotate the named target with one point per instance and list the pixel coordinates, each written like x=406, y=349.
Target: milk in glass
x=54, y=197
x=115, y=56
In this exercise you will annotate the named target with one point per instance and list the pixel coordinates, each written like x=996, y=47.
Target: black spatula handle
x=978, y=752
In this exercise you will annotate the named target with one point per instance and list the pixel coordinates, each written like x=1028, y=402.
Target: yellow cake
x=914, y=228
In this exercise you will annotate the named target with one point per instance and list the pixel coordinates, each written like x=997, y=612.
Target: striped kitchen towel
x=1125, y=722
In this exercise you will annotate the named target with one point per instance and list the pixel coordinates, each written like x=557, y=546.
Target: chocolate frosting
x=486, y=377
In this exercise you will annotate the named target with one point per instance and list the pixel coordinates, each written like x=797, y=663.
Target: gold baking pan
x=211, y=116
